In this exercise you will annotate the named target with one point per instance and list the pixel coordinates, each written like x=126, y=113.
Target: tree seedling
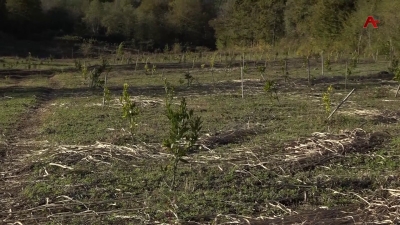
x=107, y=95
x=183, y=132
x=261, y=70
x=326, y=98
x=29, y=60
x=120, y=52
x=270, y=87
x=189, y=78
x=130, y=110
x=95, y=74
x=328, y=63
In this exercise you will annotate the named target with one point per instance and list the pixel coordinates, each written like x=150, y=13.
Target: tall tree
x=389, y=16
x=120, y=18
x=94, y=16
x=249, y=22
x=222, y=24
x=25, y=16
x=150, y=25
x=3, y=14
x=186, y=19
x=297, y=17
x=328, y=20
x=360, y=38
x=269, y=21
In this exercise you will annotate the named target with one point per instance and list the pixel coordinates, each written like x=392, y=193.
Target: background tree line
x=302, y=25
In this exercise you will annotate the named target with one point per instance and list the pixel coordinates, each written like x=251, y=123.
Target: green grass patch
x=13, y=105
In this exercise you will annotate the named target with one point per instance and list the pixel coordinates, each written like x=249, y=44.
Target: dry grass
x=261, y=161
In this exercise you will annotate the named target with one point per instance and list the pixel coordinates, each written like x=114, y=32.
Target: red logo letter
x=369, y=20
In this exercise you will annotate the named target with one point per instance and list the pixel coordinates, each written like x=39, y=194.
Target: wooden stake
x=397, y=92
x=243, y=59
x=341, y=103
x=358, y=45
x=286, y=71
x=137, y=59
x=309, y=71
x=322, y=63
x=105, y=85
x=390, y=53
x=345, y=78
x=241, y=76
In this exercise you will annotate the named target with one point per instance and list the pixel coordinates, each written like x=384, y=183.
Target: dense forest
x=301, y=25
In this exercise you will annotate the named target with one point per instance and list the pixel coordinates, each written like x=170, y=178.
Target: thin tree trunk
x=104, y=90
x=286, y=73
x=322, y=63
x=308, y=71
x=241, y=76
x=137, y=59
x=345, y=78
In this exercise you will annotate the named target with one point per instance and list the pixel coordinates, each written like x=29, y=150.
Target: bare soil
x=304, y=154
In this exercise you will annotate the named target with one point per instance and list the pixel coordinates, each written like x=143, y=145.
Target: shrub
x=326, y=98
x=184, y=130
x=130, y=111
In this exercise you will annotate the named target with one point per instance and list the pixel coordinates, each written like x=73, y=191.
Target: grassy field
x=67, y=159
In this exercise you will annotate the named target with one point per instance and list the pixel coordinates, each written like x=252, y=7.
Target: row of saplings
x=185, y=127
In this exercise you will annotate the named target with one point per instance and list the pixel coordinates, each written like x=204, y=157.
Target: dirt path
x=21, y=141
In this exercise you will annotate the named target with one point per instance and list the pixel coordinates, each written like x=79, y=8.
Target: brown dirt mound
x=227, y=137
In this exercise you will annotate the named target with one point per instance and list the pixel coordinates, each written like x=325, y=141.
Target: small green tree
x=95, y=74
x=326, y=98
x=184, y=130
x=106, y=95
x=261, y=70
x=78, y=64
x=84, y=71
x=189, y=78
x=354, y=60
x=29, y=60
x=327, y=63
x=212, y=63
x=120, y=53
x=130, y=110
x=270, y=87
